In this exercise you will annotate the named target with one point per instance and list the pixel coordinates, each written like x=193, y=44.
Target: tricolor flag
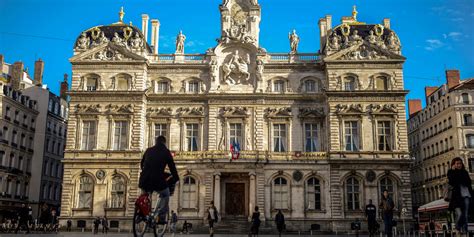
x=235, y=150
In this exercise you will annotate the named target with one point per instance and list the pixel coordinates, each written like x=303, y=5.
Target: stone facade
x=310, y=125
x=438, y=133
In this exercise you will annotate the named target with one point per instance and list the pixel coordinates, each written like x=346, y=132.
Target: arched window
x=349, y=83
x=189, y=193
x=91, y=83
x=122, y=82
x=280, y=193
x=381, y=83
x=465, y=98
x=353, y=194
x=310, y=86
x=313, y=194
x=162, y=86
x=193, y=86
x=117, y=194
x=86, y=188
x=279, y=86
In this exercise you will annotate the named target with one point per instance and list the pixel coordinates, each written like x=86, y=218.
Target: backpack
x=143, y=204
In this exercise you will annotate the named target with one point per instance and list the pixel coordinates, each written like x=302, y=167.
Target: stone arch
x=91, y=82
x=271, y=84
x=388, y=80
x=318, y=83
x=347, y=78
x=122, y=81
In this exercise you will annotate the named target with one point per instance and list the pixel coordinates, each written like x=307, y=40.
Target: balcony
x=249, y=155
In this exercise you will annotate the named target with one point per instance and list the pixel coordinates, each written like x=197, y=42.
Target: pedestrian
x=371, y=214
x=255, y=224
x=185, y=227
x=23, y=219
x=459, y=180
x=386, y=206
x=280, y=222
x=54, y=221
x=45, y=217
x=105, y=225
x=174, y=220
x=432, y=228
x=96, y=225
x=212, y=217
x=69, y=225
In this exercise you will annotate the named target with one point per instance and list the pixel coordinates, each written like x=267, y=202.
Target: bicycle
x=144, y=218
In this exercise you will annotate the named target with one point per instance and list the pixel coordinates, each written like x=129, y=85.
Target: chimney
x=414, y=106
x=155, y=34
x=17, y=74
x=38, y=76
x=323, y=28
x=64, y=88
x=453, y=78
x=386, y=23
x=145, y=26
x=329, y=22
x=1, y=63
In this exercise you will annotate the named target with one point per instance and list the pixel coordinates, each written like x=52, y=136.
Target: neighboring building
x=48, y=134
x=320, y=133
x=17, y=138
x=444, y=129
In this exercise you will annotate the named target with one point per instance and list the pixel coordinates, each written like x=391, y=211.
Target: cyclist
x=153, y=176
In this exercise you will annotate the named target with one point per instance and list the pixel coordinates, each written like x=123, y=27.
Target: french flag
x=235, y=150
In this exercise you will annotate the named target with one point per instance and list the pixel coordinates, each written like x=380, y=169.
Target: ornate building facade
x=320, y=133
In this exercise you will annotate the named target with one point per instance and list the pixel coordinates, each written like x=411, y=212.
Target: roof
x=467, y=84
x=434, y=205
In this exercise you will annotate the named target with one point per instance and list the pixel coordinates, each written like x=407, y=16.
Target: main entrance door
x=235, y=199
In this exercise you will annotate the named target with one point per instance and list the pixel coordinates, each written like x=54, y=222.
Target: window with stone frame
x=162, y=87
x=91, y=83
x=120, y=135
x=470, y=140
x=235, y=134
x=9, y=186
x=279, y=86
x=351, y=135
x=353, y=194
x=387, y=183
x=467, y=120
x=18, y=188
x=2, y=157
x=470, y=165
x=313, y=194
x=193, y=86
x=384, y=136
x=349, y=83
x=189, y=191
x=310, y=86
x=311, y=133
x=381, y=83
x=86, y=186
x=161, y=129
x=192, y=137
x=279, y=137
x=89, y=135
x=117, y=193
x=5, y=133
x=280, y=193
x=122, y=82
x=465, y=98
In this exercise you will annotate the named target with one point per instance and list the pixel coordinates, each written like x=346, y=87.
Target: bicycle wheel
x=140, y=224
x=160, y=228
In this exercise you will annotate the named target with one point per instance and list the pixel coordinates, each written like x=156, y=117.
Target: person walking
x=96, y=225
x=371, y=214
x=23, y=219
x=255, y=222
x=280, y=222
x=459, y=180
x=174, y=220
x=105, y=225
x=68, y=225
x=386, y=206
x=212, y=217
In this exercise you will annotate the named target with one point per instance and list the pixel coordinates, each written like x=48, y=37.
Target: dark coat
x=153, y=166
x=456, y=178
x=280, y=221
x=255, y=222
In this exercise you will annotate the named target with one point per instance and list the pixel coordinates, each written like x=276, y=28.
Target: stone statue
x=371, y=38
x=294, y=41
x=355, y=38
x=334, y=41
x=83, y=42
x=260, y=68
x=102, y=39
x=392, y=42
x=180, y=43
x=236, y=65
x=118, y=41
x=214, y=70
x=136, y=42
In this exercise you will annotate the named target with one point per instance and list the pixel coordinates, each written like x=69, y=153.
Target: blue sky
x=435, y=34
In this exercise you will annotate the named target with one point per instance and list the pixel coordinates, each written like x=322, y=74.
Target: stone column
x=252, y=192
x=217, y=191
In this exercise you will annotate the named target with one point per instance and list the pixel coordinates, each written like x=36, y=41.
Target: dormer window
x=162, y=87
x=381, y=83
x=310, y=86
x=349, y=83
x=122, y=82
x=193, y=86
x=279, y=86
x=91, y=84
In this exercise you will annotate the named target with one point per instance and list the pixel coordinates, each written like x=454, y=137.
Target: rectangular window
x=279, y=137
x=18, y=189
x=279, y=86
x=88, y=135
x=192, y=132
x=193, y=86
x=235, y=134
x=351, y=135
x=471, y=165
x=384, y=131
x=162, y=86
x=311, y=137
x=349, y=85
x=161, y=129
x=121, y=135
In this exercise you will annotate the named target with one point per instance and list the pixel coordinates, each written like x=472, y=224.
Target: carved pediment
x=349, y=109
x=119, y=109
x=364, y=51
x=383, y=109
x=311, y=113
x=278, y=112
x=234, y=112
x=190, y=112
x=107, y=52
x=88, y=109
x=159, y=112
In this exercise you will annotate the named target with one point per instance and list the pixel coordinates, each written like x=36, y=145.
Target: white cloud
x=457, y=19
x=190, y=43
x=433, y=44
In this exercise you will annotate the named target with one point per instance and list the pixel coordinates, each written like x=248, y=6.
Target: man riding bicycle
x=153, y=177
